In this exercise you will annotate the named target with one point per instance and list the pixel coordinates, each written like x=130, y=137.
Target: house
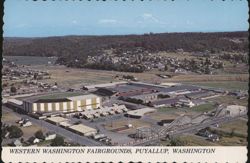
x=33, y=140
x=214, y=138
x=26, y=124
x=17, y=143
x=7, y=134
x=50, y=136
x=186, y=102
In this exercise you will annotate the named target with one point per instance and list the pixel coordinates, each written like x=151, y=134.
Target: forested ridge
x=79, y=47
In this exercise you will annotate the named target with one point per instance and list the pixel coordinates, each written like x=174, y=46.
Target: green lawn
x=203, y=107
x=239, y=126
x=230, y=100
x=190, y=140
x=166, y=109
x=44, y=143
x=229, y=85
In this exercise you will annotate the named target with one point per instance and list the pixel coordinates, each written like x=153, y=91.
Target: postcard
x=125, y=81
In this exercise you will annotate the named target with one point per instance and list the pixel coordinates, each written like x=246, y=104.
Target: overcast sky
x=27, y=18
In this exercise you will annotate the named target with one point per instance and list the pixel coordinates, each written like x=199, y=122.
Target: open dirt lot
x=75, y=78
x=121, y=123
x=162, y=116
x=31, y=130
x=9, y=118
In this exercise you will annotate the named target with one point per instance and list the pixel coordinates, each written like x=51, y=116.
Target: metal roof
x=82, y=128
x=140, y=112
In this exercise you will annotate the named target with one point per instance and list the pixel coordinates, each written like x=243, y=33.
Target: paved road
x=61, y=131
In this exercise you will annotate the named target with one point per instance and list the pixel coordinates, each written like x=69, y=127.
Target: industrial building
x=14, y=104
x=139, y=112
x=45, y=104
x=83, y=130
x=104, y=111
x=142, y=89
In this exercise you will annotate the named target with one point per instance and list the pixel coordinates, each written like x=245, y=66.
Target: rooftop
x=140, y=112
x=57, y=119
x=166, y=101
x=15, y=101
x=58, y=97
x=82, y=128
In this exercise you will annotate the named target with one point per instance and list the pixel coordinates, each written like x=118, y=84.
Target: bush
x=58, y=141
x=39, y=135
x=15, y=132
x=177, y=142
x=13, y=89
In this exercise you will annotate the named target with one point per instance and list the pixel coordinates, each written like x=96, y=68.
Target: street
x=59, y=130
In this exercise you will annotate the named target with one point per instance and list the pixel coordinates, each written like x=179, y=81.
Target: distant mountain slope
x=67, y=47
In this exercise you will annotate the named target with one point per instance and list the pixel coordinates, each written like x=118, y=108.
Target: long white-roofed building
x=61, y=103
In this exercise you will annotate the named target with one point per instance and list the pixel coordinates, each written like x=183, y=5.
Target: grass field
x=239, y=126
x=230, y=100
x=203, y=107
x=44, y=143
x=31, y=60
x=232, y=133
x=75, y=78
x=160, y=116
x=166, y=109
x=209, y=78
x=229, y=85
x=192, y=140
x=233, y=141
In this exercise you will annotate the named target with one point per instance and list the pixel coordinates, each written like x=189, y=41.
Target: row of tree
x=73, y=50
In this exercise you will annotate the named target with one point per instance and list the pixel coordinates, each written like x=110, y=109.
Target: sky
x=27, y=18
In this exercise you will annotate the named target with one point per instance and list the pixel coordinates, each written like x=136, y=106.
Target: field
x=167, y=109
x=203, y=107
x=233, y=141
x=31, y=60
x=191, y=140
x=75, y=78
x=209, y=78
x=162, y=116
x=31, y=130
x=122, y=123
x=229, y=85
x=232, y=133
x=239, y=126
x=231, y=100
x=9, y=118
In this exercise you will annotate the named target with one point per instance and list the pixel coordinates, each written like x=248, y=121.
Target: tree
x=15, y=132
x=207, y=70
x=13, y=89
x=166, y=67
x=177, y=142
x=39, y=135
x=58, y=141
